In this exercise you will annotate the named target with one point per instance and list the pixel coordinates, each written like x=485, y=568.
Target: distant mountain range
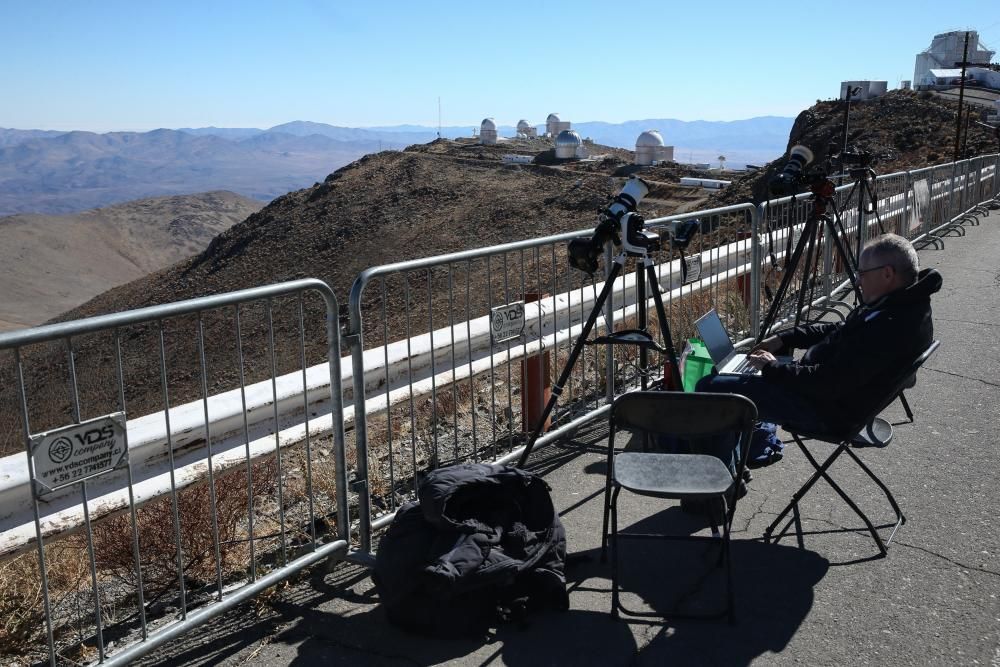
x=44, y=171
x=51, y=263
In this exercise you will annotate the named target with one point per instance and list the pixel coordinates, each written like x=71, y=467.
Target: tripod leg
x=557, y=388
x=801, y=303
x=642, y=322
x=873, y=200
x=844, y=254
x=779, y=297
x=661, y=316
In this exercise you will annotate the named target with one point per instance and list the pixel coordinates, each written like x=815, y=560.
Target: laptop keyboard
x=744, y=368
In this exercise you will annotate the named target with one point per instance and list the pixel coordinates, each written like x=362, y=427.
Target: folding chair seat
x=676, y=476
x=843, y=439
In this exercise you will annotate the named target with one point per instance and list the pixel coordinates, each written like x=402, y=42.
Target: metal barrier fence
x=452, y=394
x=431, y=382
x=242, y=511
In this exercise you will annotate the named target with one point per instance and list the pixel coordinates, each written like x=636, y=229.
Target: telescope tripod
x=864, y=185
x=808, y=245
x=638, y=336
x=879, y=432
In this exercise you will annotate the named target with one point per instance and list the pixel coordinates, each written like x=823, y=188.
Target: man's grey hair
x=898, y=253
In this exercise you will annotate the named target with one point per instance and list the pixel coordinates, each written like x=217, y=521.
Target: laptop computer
x=720, y=347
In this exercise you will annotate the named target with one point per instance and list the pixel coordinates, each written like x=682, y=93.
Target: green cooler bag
x=697, y=364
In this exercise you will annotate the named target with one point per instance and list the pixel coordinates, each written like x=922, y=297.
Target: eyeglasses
x=874, y=268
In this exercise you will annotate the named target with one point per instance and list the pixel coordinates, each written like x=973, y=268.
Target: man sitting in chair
x=848, y=367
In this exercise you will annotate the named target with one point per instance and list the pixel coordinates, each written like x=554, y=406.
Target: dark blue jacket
x=849, y=366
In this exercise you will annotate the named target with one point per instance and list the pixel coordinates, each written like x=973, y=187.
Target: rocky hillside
x=902, y=130
x=391, y=206
x=51, y=263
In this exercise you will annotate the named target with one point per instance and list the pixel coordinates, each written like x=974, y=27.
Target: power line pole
x=961, y=95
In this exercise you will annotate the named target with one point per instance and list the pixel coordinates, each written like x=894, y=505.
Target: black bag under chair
x=483, y=545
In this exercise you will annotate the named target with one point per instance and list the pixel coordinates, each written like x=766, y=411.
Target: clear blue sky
x=142, y=64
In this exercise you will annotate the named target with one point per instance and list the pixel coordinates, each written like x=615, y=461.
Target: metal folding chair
x=843, y=439
x=676, y=476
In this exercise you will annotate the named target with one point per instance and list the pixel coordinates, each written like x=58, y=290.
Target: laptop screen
x=714, y=334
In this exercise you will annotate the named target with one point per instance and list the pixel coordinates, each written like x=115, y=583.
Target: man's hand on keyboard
x=759, y=358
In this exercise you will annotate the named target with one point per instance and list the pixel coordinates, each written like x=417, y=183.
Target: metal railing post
x=355, y=339
x=905, y=227
x=609, y=317
x=757, y=223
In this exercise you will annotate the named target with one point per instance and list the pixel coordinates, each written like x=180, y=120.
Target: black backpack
x=483, y=546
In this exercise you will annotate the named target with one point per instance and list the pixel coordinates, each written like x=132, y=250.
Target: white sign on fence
x=73, y=453
x=507, y=321
x=693, y=264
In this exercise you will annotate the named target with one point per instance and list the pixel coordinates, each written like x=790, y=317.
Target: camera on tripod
x=855, y=162
x=794, y=175
x=854, y=158
x=620, y=224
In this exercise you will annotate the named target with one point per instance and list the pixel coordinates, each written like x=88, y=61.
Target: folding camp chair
x=676, y=476
x=843, y=439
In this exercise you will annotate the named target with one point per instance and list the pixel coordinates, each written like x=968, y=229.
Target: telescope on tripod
x=795, y=175
x=622, y=226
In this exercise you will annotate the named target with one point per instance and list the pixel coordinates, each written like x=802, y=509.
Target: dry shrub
x=22, y=612
x=157, y=545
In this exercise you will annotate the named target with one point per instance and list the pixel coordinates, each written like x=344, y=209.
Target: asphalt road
x=827, y=600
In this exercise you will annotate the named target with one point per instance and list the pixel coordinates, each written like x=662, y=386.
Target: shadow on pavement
x=774, y=593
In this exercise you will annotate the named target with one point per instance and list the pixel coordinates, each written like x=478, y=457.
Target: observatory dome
x=650, y=138
x=567, y=144
x=649, y=148
x=523, y=126
x=569, y=138
x=553, y=118
x=488, y=132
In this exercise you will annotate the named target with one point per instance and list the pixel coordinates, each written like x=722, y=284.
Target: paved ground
x=933, y=600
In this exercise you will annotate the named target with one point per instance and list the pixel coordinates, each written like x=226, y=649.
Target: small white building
x=904, y=85
x=569, y=146
x=985, y=77
x=945, y=52
x=707, y=183
x=488, y=132
x=649, y=148
x=942, y=77
x=868, y=89
x=526, y=130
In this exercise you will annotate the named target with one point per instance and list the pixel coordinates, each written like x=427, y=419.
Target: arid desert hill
x=52, y=263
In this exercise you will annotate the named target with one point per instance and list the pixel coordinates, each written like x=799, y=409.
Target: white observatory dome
x=554, y=125
x=649, y=148
x=488, y=131
x=651, y=138
x=523, y=126
x=567, y=144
